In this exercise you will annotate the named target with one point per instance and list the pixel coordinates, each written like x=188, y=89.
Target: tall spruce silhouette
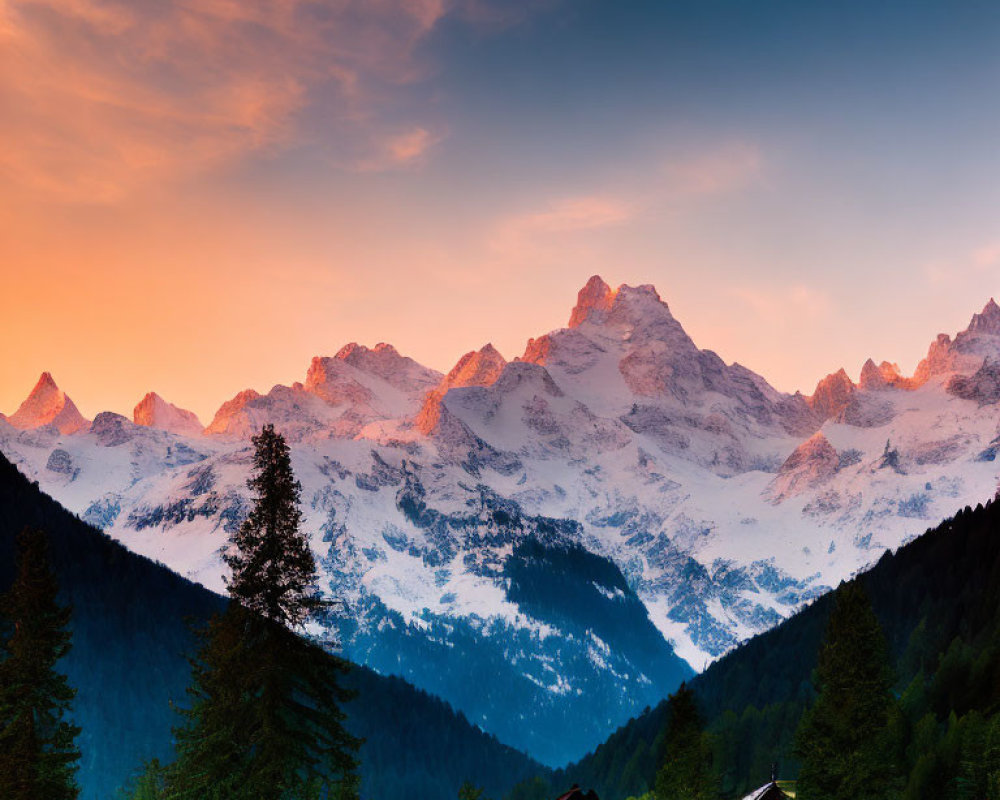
x=266, y=721
x=273, y=569
x=686, y=773
x=845, y=740
x=38, y=756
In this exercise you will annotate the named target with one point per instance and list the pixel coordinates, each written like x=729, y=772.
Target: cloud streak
x=100, y=97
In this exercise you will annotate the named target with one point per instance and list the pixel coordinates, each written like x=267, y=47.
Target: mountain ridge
x=724, y=503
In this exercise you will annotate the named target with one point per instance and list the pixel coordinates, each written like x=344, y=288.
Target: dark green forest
x=937, y=600
x=132, y=633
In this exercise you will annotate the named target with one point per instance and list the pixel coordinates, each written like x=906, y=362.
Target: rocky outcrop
x=982, y=387
x=811, y=463
x=112, y=429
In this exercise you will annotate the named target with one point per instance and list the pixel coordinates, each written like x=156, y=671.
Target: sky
x=197, y=196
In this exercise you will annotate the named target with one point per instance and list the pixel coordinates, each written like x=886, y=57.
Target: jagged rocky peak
x=871, y=377
x=636, y=315
x=48, y=405
x=593, y=302
x=476, y=368
x=386, y=362
x=832, y=394
x=222, y=421
x=987, y=321
x=968, y=351
x=155, y=412
x=884, y=376
x=328, y=379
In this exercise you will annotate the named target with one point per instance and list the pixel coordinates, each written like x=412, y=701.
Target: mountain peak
x=386, y=362
x=832, y=394
x=48, y=405
x=476, y=368
x=155, y=412
x=593, y=302
x=987, y=321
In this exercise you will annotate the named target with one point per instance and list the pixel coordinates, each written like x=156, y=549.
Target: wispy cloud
x=525, y=235
x=408, y=148
x=784, y=306
x=968, y=266
x=720, y=170
x=987, y=256
x=98, y=97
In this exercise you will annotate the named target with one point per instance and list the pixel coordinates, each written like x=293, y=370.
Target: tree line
x=914, y=680
x=264, y=721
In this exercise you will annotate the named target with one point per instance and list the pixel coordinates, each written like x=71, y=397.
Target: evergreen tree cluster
x=913, y=717
x=131, y=626
x=38, y=754
x=266, y=721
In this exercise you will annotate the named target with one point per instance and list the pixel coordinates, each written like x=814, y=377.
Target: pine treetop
x=273, y=568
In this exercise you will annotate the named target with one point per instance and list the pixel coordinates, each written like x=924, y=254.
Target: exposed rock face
x=112, y=429
x=592, y=303
x=387, y=363
x=155, y=412
x=477, y=368
x=60, y=462
x=968, y=351
x=223, y=423
x=872, y=378
x=811, y=464
x=48, y=405
x=866, y=410
x=982, y=387
x=987, y=321
x=832, y=394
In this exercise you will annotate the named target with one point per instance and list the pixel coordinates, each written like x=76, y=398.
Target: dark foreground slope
x=131, y=637
x=938, y=599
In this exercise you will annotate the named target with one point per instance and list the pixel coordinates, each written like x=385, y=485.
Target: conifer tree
x=266, y=722
x=273, y=569
x=844, y=740
x=38, y=757
x=686, y=773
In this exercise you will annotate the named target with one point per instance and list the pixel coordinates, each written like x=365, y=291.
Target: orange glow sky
x=196, y=196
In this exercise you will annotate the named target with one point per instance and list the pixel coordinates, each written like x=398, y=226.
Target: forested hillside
x=132, y=635
x=938, y=601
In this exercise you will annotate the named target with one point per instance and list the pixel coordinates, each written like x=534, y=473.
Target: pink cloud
x=725, y=169
x=99, y=97
x=572, y=214
x=987, y=255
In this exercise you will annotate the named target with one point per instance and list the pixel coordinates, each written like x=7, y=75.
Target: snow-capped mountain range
x=663, y=481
